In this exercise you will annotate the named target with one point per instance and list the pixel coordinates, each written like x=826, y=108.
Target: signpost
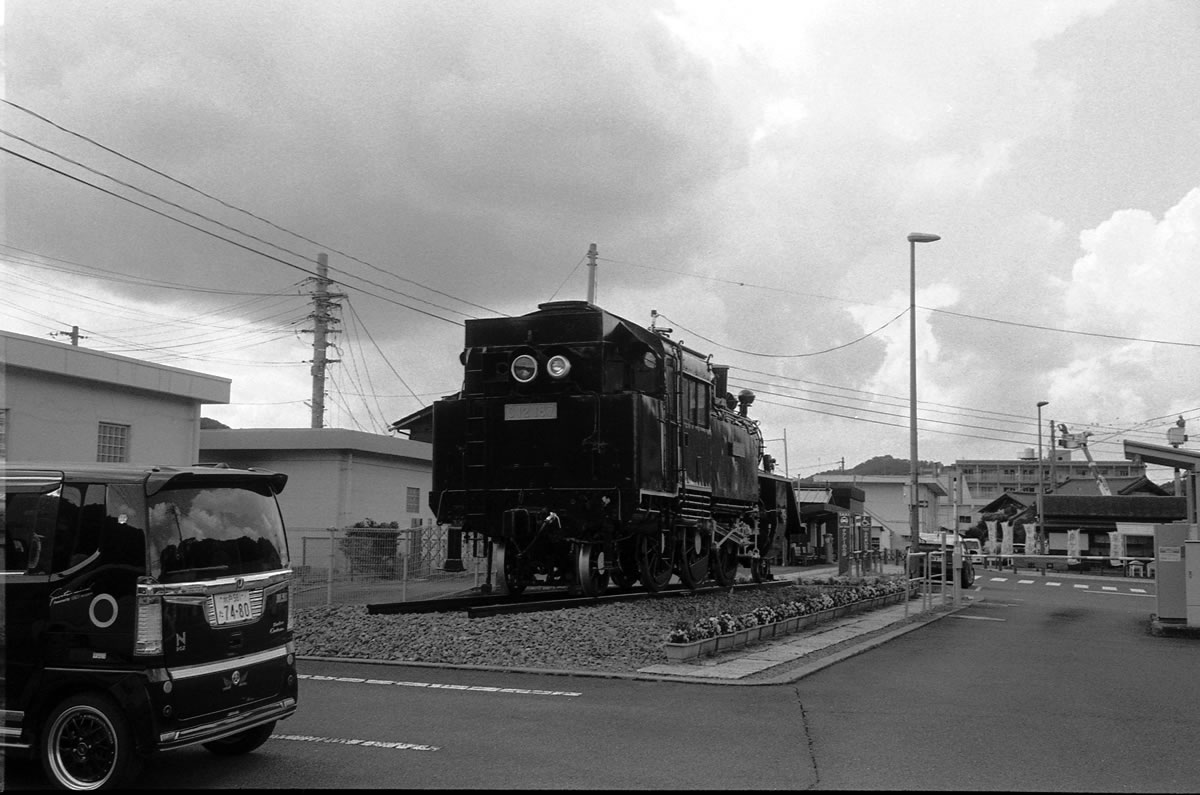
x=844, y=550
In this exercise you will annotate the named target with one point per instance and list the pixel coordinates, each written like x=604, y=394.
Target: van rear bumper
x=226, y=727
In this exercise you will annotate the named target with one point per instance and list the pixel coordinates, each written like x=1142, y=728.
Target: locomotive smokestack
x=745, y=398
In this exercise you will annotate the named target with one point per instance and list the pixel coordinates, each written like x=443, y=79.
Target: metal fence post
x=404, y=576
x=329, y=569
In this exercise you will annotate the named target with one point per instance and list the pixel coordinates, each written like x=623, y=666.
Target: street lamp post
x=1041, y=487
x=914, y=517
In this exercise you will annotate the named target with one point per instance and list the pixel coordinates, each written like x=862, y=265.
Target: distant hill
x=879, y=465
x=207, y=423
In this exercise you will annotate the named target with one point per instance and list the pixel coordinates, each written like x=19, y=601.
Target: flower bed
x=823, y=599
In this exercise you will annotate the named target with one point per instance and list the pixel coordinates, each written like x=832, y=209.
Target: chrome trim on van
x=209, y=587
x=204, y=669
x=226, y=727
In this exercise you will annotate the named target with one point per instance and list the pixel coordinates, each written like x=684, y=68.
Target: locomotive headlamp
x=558, y=366
x=524, y=368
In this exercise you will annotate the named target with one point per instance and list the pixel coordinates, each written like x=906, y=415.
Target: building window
x=414, y=500
x=112, y=444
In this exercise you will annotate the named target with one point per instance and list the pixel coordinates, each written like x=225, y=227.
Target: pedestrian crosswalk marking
x=1025, y=582
x=1084, y=587
x=1107, y=588
x=1055, y=584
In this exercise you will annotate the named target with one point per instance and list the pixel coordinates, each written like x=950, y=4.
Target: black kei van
x=145, y=609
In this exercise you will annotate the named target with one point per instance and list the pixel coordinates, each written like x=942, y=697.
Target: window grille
x=113, y=443
x=413, y=500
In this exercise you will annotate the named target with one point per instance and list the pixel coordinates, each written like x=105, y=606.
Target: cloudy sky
x=749, y=170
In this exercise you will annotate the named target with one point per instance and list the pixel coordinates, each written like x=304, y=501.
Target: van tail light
x=291, y=596
x=148, y=642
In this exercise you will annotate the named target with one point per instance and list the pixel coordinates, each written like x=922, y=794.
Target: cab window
x=696, y=400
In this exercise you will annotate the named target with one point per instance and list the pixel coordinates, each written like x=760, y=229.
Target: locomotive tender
x=584, y=449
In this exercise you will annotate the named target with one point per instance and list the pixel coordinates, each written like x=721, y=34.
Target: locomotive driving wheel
x=725, y=564
x=693, y=557
x=590, y=572
x=654, y=561
x=507, y=569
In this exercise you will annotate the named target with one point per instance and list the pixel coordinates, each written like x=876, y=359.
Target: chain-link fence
x=357, y=565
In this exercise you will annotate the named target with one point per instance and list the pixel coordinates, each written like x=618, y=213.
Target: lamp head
x=1043, y=403
x=922, y=237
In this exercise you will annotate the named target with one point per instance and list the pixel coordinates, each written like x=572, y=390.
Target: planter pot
x=740, y=638
x=681, y=652
x=708, y=647
x=767, y=631
x=725, y=642
x=792, y=624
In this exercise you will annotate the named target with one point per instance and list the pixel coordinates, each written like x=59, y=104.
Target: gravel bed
x=617, y=638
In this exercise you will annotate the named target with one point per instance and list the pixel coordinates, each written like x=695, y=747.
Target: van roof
x=154, y=476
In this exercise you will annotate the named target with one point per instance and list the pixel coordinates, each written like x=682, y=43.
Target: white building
x=69, y=403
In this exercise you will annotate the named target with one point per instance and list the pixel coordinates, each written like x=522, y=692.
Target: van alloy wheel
x=87, y=744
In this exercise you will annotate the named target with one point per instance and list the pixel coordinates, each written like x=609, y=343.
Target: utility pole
x=592, y=254
x=73, y=334
x=322, y=316
x=1053, y=460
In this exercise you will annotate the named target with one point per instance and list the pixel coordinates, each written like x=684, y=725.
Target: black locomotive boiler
x=584, y=449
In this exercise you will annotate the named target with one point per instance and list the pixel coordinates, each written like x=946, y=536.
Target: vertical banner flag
x=1072, y=543
x=1116, y=547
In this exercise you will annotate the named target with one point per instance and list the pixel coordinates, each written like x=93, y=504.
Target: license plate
x=232, y=607
x=530, y=411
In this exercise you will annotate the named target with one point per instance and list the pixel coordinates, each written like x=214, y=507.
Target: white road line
x=358, y=680
x=1055, y=584
x=1024, y=582
x=999, y=579
x=396, y=746
x=979, y=618
x=1138, y=590
x=1110, y=593
x=1107, y=588
x=1084, y=587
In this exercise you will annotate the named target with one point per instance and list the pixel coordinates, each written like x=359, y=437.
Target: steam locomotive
x=584, y=450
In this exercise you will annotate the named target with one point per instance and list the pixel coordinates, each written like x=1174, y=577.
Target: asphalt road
x=1032, y=687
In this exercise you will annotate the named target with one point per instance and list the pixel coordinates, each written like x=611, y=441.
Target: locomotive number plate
x=530, y=411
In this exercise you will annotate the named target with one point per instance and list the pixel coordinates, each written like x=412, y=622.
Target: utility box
x=1171, y=576
x=1191, y=565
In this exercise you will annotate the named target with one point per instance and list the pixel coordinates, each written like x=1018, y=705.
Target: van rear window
x=213, y=532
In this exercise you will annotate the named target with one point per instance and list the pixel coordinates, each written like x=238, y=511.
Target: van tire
x=242, y=742
x=87, y=743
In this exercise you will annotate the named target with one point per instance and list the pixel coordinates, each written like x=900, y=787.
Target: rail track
x=482, y=605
